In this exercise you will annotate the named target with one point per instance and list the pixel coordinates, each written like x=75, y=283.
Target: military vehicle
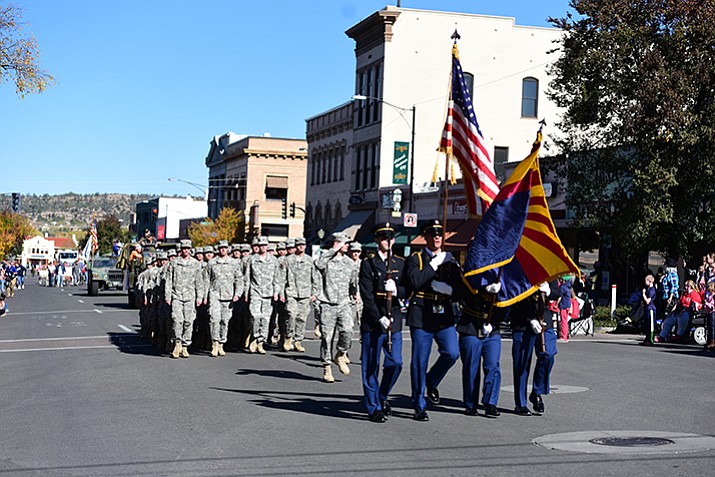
x=102, y=274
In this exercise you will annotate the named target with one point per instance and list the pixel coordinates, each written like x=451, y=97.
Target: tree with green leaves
x=636, y=79
x=109, y=230
x=19, y=54
x=14, y=229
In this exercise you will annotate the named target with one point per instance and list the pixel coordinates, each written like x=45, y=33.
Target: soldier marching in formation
x=260, y=294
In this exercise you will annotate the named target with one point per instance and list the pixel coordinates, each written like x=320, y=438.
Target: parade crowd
x=260, y=295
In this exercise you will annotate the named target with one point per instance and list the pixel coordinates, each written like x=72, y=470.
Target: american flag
x=93, y=236
x=463, y=140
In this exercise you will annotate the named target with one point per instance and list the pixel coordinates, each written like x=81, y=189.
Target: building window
x=501, y=156
x=367, y=167
x=358, y=158
x=376, y=110
x=375, y=162
x=342, y=163
x=276, y=187
x=311, y=164
x=530, y=98
x=335, y=153
x=274, y=230
x=469, y=79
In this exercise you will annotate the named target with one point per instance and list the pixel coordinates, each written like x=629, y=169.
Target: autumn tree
x=19, y=54
x=14, y=228
x=230, y=225
x=636, y=79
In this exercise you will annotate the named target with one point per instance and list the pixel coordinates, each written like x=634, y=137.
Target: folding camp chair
x=583, y=325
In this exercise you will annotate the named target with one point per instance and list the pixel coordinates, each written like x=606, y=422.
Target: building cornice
x=374, y=30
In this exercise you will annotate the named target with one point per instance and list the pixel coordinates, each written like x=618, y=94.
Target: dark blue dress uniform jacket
x=373, y=273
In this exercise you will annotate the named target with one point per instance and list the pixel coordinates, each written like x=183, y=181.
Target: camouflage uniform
x=339, y=273
x=225, y=280
x=260, y=287
x=301, y=282
x=145, y=296
x=184, y=287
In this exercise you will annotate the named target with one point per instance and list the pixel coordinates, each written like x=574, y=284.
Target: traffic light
x=292, y=209
x=154, y=214
x=15, y=201
x=284, y=208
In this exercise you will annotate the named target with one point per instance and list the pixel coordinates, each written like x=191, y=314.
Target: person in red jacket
x=690, y=302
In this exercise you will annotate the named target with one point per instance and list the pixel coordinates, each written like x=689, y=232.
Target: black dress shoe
x=491, y=411
x=471, y=412
x=432, y=395
x=386, y=409
x=522, y=411
x=421, y=416
x=537, y=402
x=378, y=416
x=647, y=343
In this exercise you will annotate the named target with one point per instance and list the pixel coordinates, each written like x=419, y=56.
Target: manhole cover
x=555, y=389
x=627, y=442
x=631, y=441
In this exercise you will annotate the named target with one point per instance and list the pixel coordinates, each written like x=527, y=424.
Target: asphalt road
x=81, y=394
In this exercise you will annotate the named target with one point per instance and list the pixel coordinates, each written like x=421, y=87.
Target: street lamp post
x=360, y=97
x=204, y=190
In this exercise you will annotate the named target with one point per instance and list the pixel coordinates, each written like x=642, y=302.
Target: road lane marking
x=74, y=348
x=53, y=312
x=128, y=330
x=55, y=339
x=81, y=301
x=98, y=311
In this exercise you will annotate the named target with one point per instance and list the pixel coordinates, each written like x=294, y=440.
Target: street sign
x=410, y=220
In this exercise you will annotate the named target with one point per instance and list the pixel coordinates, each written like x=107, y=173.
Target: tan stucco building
x=259, y=175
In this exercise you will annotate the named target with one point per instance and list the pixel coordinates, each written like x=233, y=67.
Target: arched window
x=529, y=98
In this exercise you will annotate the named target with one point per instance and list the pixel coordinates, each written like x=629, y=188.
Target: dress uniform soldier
x=480, y=347
x=184, y=289
x=431, y=274
x=381, y=327
x=225, y=279
x=530, y=331
x=338, y=274
x=259, y=284
x=302, y=286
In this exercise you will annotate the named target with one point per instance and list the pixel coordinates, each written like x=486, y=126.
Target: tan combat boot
x=221, y=352
x=253, y=346
x=299, y=347
x=214, y=349
x=328, y=374
x=184, y=352
x=318, y=333
x=177, y=350
x=259, y=349
x=341, y=361
x=288, y=344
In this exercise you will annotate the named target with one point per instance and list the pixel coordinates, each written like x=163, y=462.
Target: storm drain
x=627, y=442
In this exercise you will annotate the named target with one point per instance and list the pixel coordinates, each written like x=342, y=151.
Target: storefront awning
x=276, y=182
x=353, y=222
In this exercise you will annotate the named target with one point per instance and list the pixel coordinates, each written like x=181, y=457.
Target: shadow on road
x=674, y=348
x=344, y=406
x=307, y=360
x=133, y=343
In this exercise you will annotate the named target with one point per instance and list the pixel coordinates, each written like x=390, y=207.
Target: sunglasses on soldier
x=385, y=235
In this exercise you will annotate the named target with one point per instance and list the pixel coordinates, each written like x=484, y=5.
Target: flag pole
x=448, y=157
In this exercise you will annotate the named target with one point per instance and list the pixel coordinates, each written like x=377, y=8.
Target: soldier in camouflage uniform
x=225, y=279
x=201, y=334
x=275, y=328
x=302, y=286
x=339, y=274
x=260, y=287
x=165, y=322
x=184, y=292
x=145, y=291
x=354, y=251
x=157, y=279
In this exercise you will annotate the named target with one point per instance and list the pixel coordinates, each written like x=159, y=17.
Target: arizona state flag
x=517, y=238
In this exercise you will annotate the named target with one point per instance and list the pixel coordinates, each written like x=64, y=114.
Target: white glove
x=487, y=329
x=385, y=323
x=536, y=326
x=391, y=286
x=545, y=288
x=437, y=260
x=494, y=288
x=441, y=287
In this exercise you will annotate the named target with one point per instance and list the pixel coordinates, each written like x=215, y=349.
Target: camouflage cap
x=340, y=237
x=271, y=247
x=209, y=249
x=300, y=241
x=235, y=246
x=244, y=247
x=199, y=250
x=185, y=243
x=161, y=255
x=262, y=240
x=222, y=243
x=355, y=247
x=290, y=243
x=281, y=246
x=255, y=241
x=171, y=252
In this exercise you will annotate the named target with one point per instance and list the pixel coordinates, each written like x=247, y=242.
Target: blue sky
x=143, y=86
